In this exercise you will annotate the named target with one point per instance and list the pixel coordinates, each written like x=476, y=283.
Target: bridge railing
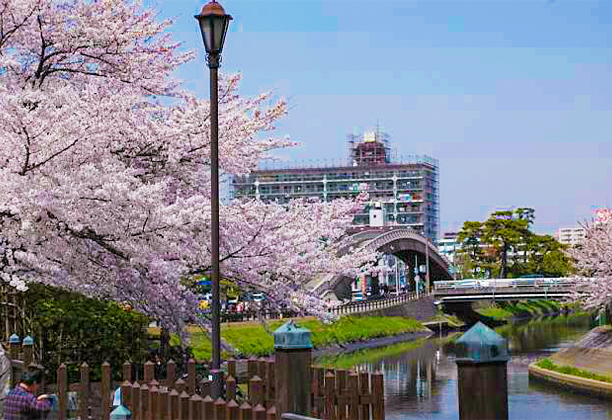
x=504, y=283
x=376, y=304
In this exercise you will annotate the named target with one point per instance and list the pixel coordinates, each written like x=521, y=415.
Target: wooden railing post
x=191, y=376
x=136, y=406
x=106, y=390
x=184, y=406
x=195, y=407
x=127, y=372
x=378, y=393
x=84, y=391
x=330, y=403
x=245, y=411
x=149, y=372
x=62, y=392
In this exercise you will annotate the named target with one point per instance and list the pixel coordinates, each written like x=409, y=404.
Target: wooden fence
x=335, y=394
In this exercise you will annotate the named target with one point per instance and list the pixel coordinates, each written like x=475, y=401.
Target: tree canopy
x=104, y=167
x=505, y=234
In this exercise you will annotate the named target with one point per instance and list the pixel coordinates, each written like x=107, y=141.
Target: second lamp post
x=213, y=24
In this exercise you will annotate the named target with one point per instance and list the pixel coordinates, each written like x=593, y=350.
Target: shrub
x=71, y=328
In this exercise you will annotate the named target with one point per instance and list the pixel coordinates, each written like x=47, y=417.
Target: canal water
x=421, y=377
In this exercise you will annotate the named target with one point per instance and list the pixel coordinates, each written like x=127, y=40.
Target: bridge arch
x=401, y=242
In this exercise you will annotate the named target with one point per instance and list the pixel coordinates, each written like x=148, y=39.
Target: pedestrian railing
x=376, y=304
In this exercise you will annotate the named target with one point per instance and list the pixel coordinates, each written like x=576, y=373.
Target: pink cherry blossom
x=104, y=168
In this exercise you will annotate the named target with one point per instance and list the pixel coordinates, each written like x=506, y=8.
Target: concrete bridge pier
x=465, y=312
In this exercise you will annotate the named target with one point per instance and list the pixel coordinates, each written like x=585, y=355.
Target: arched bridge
x=401, y=242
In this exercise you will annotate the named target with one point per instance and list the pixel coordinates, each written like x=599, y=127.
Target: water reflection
x=421, y=382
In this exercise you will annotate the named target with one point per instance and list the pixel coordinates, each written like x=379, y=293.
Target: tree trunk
x=504, y=256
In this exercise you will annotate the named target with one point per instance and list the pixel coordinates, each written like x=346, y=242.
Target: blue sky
x=513, y=97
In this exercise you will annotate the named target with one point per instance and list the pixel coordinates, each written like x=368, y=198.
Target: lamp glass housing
x=214, y=28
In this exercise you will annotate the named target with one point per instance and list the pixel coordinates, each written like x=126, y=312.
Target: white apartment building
x=571, y=236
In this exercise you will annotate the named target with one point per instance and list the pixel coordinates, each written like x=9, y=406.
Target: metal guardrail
x=503, y=283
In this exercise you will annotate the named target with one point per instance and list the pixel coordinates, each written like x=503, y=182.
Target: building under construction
x=402, y=191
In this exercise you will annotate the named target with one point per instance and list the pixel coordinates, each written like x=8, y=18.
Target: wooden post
x=62, y=392
x=205, y=385
x=269, y=397
x=330, y=404
x=245, y=412
x=255, y=390
x=149, y=372
x=84, y=391
x=180, y=386
x=127, y=372
x=144, y=402
x=184, y=406
x=174, y=404
x=252, y=367
x=318, y=390
x=136, y=405
x=378, y=393
x=126, y=398
x=208, y=407
x=154, y=403
x=482, y=390
x=220, y=409
x=195, y=407
x=482, y=374
x=232, y=410
x=164, y=404
x=341, y=380
x=364, y=390
x=191, y=376
x=353, y=391
x=106, y=390
x=293, y=360
x=231, y=367
x=171, y=373
x=230, y=385
x=259, y=412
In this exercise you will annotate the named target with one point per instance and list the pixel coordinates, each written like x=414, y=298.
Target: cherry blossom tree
x=104, y=167
x=594, y=262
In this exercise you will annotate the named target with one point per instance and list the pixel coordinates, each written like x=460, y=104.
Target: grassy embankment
x=548, y=364
x=251, y=339
x=505, y=310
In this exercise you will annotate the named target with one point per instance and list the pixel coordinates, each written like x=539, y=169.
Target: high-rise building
x=402, y=191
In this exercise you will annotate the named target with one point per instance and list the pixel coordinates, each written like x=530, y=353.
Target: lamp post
x=213, y=24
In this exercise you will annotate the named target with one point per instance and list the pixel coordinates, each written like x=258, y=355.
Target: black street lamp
x=213, y=24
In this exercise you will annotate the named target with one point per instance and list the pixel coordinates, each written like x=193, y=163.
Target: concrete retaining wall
x=573, y=383
x=422, y=308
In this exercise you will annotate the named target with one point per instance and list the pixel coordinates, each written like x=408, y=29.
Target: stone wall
x=422, y=308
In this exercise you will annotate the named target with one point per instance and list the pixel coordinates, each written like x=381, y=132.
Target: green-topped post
x=121, y=413
x=293, y=357
x=482, y=358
